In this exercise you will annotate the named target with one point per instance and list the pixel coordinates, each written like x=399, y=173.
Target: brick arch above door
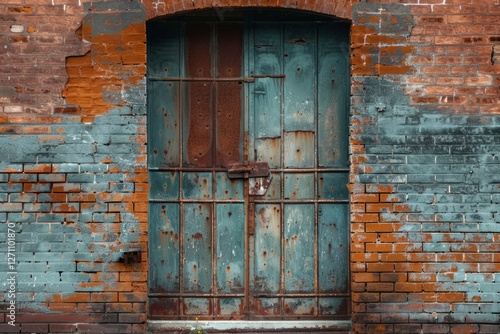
x=338, y=8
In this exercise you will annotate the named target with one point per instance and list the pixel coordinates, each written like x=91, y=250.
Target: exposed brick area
x=453, y=57
x=424, y=146
x=423, y=205
x=36, y=37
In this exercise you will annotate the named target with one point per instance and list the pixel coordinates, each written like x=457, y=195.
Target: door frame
x=222, y=325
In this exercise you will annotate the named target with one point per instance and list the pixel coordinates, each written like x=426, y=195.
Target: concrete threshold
x=245, y=326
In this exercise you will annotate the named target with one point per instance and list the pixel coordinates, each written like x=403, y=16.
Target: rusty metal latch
x=247, y=170
x=257, y=172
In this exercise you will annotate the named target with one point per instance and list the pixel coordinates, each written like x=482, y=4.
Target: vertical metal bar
x=181, y=165
x=214, y=52
x=282, y=176
x=316, y=165
x=249, y=131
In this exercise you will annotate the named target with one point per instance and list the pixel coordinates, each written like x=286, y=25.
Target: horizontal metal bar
x=300, y=201
x=302, y=295
x=277, y=76
x=218, y=79
x=257, y=200
x=202, y=79
x=195, y=295
x=272, y=170
x=190, y=200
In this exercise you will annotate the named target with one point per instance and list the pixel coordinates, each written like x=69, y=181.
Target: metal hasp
x=256, y=171
x=248, y=169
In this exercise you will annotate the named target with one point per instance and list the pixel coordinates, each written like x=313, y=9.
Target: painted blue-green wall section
x=442, y=169
x=62, y=242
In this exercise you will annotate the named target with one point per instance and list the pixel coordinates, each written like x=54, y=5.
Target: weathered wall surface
x=425, y=145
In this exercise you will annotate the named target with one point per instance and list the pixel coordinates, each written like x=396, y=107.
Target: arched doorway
x=248, y=164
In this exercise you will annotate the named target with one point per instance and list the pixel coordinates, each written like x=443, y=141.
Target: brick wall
x=425, y=135
x=73, y=179
x=425, y=138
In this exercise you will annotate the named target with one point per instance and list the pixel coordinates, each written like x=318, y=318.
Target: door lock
x=256, y=171
x=247, y=170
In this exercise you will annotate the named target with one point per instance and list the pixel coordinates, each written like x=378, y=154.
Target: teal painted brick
x=376, y=149
x=23, y=178
x=60, y=158
x=481, y=277
x=64, y=247
x=435, y=227
x=466, y=308
x=31, y=267
x=38, y=187
x=35, y=227
x=48, y=256
x=75, y=277
x=48, y=198
x=50, y=217
x=61, y=266
x=4, y=177
x=52, y=177
x=450, y=217
x=89, y=266
x=82, y=148
x=66, y=207
x=17, y=217
x=95, y=187
x=84, y=257
x=63, y=228
x=421, y=160
x=10, y=207
x=49, y=237
x=95, y=207
x=79, y=217
x=32, y=288
x=104, y=217
x=489, y=227
x=23, y=197
x=482, y=318
x=449, y=139
x=450, y=159
x=490, y=308
x=3, y=197
x=11, y=188
x=3, y=218
x=480, y=237
x=483, y=297
x=81, y=178
x=490, y=287
x=35, y=247
x=121, y=187
x=66, y=168
x=117, y=119
x=73, y=237
x=443, y=247
x=23, y=256
x=93, y=168
x=114, y=177
x=10, y=167
x=117, y=149
x=126, y=129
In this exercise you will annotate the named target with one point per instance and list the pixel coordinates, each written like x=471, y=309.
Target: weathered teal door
x=226, y=98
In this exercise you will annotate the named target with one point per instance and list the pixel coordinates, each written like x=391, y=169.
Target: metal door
x=230, y=238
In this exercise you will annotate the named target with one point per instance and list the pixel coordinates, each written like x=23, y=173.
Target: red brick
x=366, y=277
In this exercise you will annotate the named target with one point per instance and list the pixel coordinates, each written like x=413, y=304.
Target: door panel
x=227, y=92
